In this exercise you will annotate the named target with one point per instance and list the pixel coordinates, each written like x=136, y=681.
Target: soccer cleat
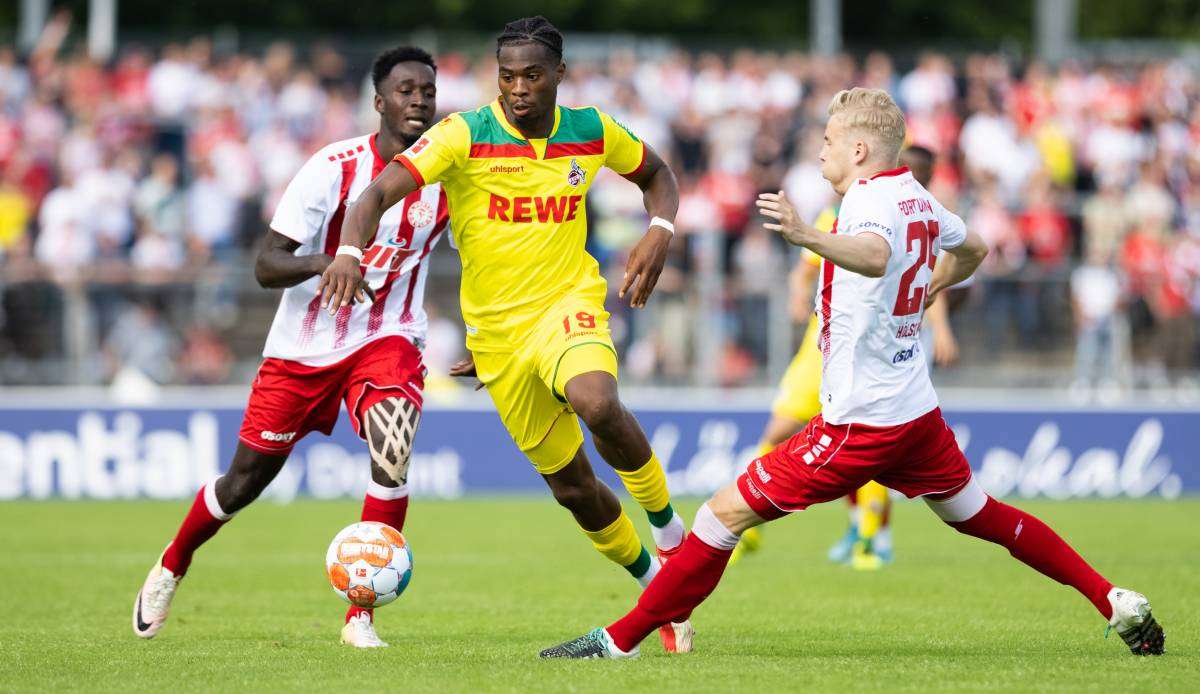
x=153, y=601
x=594, y=644
x=676, y=637
x=840, y=552
x=1134, y=624
x=360, y=632
x=862, y=558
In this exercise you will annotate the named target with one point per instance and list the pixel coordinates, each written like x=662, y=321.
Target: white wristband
x=660, y=222
x=354, y=251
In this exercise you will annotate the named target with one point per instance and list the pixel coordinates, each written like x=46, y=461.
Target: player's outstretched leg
x=779, y=429
x=681, y=585
x=600, y=516
x=390, y=428
x=973, y=512
x=621, y=442
x=215, y=503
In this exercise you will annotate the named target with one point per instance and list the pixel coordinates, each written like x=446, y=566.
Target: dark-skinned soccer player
x=517, y=172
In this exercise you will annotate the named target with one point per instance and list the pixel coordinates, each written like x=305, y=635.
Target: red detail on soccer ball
x=339, y=577
x=361, y=596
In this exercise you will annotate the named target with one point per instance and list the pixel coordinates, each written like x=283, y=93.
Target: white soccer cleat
x=677, y=637
x=360, y=633
x=154, y=601
x=1133, y=622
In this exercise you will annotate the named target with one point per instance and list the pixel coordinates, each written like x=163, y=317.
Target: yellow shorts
x=527, y=385
x=799, y=395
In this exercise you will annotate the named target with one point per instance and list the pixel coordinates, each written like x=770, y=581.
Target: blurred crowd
x=1083, y=178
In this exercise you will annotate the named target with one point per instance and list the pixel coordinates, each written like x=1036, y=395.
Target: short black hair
x=382, y=67
x=923, y=154
x=536, y=29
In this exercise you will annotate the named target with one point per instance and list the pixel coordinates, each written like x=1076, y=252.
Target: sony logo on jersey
x=905, y=354
x=272, y=436
x=875, y=227
x=537, y=208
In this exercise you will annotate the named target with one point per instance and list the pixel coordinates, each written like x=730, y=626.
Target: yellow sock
x=619, y=542
x=648, y=486
x=872, y=499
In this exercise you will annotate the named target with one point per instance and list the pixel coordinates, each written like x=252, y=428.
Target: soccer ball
x=369, y=564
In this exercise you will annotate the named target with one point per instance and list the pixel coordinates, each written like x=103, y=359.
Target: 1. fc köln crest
x=576, y=175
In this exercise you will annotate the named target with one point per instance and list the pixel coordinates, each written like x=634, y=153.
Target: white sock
x=644, y=579
x=882, y=542
x=670, y=535
x=712, y=532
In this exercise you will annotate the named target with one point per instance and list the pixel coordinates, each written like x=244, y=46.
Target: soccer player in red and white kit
x=367, y=355
x=880, y=418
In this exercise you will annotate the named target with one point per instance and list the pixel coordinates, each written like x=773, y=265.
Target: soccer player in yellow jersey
x=517, y=172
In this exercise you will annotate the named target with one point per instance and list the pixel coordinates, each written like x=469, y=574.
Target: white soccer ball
x=369, y=564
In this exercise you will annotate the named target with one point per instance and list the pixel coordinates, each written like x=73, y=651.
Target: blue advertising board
x=122, y=453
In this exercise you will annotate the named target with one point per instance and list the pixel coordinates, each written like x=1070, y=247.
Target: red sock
x=383, y=505
x=1034, y=543
x=681, y=585
x=202, y=522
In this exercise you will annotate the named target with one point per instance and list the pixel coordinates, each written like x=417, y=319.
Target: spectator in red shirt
x=1044, y=227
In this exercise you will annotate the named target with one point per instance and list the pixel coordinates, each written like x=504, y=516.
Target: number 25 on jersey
x=910, y=298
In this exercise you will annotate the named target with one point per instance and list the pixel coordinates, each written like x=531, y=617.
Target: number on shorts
x=583, y=319
x=910, y=299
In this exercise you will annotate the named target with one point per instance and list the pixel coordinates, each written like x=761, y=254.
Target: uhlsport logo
x=576, y=175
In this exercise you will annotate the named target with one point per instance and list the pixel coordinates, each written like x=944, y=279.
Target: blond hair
x=873, y=112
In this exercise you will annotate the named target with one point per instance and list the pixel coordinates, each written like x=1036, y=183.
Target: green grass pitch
x=498, y=579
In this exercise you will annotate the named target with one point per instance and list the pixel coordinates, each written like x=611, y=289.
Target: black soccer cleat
x=594, y=644
x=1145, y=639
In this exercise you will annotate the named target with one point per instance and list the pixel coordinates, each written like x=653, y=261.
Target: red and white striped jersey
x=874, y=373
x=311, y=212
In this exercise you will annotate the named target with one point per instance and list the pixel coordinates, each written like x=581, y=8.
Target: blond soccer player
x=880, y=417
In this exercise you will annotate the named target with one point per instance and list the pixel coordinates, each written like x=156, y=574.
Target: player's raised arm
x=866, y=254
x=342, y=278
x=660, y=193
x=957, y=264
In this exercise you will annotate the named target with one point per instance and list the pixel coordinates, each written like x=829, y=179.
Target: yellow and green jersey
x=517, y=210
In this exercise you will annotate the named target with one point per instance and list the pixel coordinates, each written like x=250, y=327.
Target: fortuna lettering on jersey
x=395, y=264
x=872, y=371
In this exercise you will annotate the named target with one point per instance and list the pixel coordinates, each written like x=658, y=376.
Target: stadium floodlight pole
x=33, y=19
x=825, y=26
x=102, y=29
x=1055, y=23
